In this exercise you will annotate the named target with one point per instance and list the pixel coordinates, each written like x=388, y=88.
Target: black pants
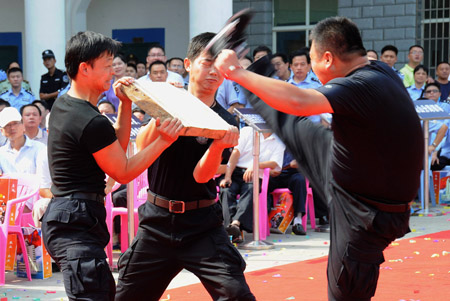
x=295, y=181
x=167, y=242
x=75, y=235
x=359, y=233
x=242, y=210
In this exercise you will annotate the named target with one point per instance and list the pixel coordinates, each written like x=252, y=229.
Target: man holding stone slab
x=181, y=224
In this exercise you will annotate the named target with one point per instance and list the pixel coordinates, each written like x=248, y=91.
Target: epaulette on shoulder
x=314, y=79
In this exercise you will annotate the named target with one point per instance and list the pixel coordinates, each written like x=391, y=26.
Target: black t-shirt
x=76, y=131
x=171, y=175
x=445, y=91
x=377, y=134
x=50, y=84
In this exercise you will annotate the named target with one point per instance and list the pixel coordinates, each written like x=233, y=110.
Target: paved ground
x=288, y=249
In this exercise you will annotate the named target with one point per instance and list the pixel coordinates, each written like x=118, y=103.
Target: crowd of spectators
x=294, y=68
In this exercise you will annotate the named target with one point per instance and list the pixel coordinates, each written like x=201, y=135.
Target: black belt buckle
x=176, y=206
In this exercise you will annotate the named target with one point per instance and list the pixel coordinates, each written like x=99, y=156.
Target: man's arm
x=46, y=96
x=113, y=161
x=207, y=167
x=279, y=95
x=123, y=123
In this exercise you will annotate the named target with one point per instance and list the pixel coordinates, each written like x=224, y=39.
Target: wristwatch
x=434, y=144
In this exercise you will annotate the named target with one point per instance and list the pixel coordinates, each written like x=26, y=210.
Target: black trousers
x=242, y=210
x=167, y=242
x=75, y=235
x=359, y=233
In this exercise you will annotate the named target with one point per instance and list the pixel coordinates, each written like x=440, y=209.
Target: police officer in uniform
x=52, y=81
x=17, y=96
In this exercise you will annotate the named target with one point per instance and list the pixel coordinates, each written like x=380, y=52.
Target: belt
x=392, y=208
x=177, y=206
x=90, y=196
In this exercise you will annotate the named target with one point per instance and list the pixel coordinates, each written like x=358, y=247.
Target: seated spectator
x=261, y=51
x=433, y=91
x=31, y=118
x=245, y=62
x=5, y=85
x=139, y=114
x=158, y=71
x=372, y=55
x=442, y=74
x=106, y=107
x=131, y=70
x=389, y=56
x=141, y=70
x=3, y=104
x=239, y=179
x=176, y=65
x=292, y=179
x=157, y=53
x=420, y=77
x=17, y=96
x=281, y=64
x=415, y=57
x=119, y=68
x=44, y=111
x=21, y=154
x=303, y=77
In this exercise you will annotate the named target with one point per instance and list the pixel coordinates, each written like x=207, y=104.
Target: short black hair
x=372, y=50
x=442, y=62
x=340, y=36
x=22, y=108
x=301, y=52
x=87, y=46
x=4, y=103
x=389, y=47
x=282, y=56
x=121, y=56
x=436, y=84
x=262, y=48
x=420, y=67
x=42, y=102
x=174, y=58
x=198, y=44
x=156, y=63
x=15, y=69
x=156, y=45
x=418, y=46
x=132, y=66
x=108, y=103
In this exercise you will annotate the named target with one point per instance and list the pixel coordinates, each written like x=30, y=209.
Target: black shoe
x=298, y=229
x=235, y=233
x=323, y=220
x=55, y=268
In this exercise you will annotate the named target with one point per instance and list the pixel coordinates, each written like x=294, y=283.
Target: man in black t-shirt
x=53, y=81
x=83, y=146
x=360, y=166
x=181, y=224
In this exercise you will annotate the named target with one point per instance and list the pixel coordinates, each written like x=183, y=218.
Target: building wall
x=260, y=28
x=105, y=15
x=384, y=22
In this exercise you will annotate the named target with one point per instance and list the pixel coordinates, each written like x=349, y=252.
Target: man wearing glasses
x=415, y=56
x=157, y=53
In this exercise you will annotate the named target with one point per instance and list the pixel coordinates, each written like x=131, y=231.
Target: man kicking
x=361, y=166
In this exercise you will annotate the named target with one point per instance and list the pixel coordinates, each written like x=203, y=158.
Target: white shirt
x=172, y=77
x=270, y=149
x=41, y=136
x=31, y=158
